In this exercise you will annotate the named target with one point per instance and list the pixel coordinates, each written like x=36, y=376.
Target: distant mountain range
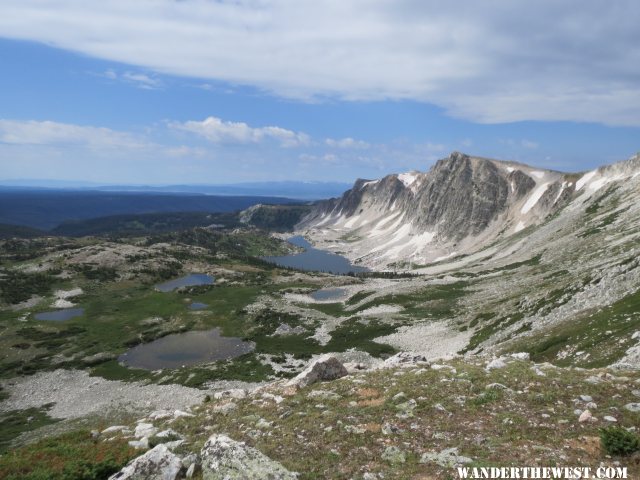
x=289, y=189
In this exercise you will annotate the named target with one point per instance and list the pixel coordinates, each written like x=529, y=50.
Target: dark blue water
x=313, y=259
x=187, y=281
x=329, y=294
x=198, y=306
x=189, y=348
x=60, y=315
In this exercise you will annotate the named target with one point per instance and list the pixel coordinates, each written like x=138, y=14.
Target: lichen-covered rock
x=325, y=367
x=225, y=459
x=446, y=458
x=157, y=464
x=393, y=455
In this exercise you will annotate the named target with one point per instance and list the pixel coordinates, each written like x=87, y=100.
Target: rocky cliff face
x=462, y=204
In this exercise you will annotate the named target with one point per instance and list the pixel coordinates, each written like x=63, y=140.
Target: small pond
x=314, y=259
x=198, y=306
x=189, y=348
x=60, y=315
x=191, y=280
x=329, y=294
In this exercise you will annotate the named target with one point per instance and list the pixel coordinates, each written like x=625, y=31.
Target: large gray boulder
x=226, y=459
x=157, y=464
x=325, y=367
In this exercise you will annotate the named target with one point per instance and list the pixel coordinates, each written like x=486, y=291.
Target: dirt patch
x=590, y=445
x=368, y=393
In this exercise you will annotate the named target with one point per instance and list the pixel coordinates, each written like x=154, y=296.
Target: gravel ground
x=380, y=309
x=434, y=340
x=75, y=394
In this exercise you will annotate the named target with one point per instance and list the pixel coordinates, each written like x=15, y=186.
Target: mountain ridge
x=462, y=204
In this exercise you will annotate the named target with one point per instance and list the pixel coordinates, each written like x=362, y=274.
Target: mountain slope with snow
x=462, y=205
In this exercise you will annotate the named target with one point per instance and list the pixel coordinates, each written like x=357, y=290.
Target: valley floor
x=60, y=380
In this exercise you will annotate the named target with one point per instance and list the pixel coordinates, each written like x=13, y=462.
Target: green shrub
x=16, y=287
x=487, y=396
x=71, y=456
x=619, y=441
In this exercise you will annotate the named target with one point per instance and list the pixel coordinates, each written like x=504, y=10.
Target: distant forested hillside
x=46, y=209
x=19, y=231
x=145, y=223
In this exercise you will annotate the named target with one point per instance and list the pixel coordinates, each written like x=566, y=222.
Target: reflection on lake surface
x=60, y=315
x=187, y=281
x=198, y=306
x=189, y=348
x=315, y=259
x=329, y=294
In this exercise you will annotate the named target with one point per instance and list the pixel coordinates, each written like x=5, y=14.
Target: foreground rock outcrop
x=326, y=367
x=226, y=459
x=157, y=464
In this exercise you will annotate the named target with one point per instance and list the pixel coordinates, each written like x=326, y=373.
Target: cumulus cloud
x=490, y=61
x=32, y=132
x=217, y=130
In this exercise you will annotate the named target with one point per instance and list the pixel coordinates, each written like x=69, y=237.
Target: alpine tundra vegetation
x=495, y=321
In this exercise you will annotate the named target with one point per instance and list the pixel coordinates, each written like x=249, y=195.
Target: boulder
x=181, y=414
x=225, y=459
x=585, y=416
x=325, y=367
x=404, y=358
x=495, y=364
x=157, y=464
x=145, y=430
x=633, y=407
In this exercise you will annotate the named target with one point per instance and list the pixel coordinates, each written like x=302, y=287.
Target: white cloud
x=346, y=143
x=523, y=143
x=140, y=80
x=184, y=151
x=490, y=61
x=32, y=132
x=219, y=131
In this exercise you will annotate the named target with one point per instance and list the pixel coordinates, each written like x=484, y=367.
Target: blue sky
x=197, y=91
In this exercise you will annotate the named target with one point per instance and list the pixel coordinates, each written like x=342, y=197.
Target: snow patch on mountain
x=534, y=198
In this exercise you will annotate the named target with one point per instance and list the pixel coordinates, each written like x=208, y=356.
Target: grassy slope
x=532, y=424
x=526, y=420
